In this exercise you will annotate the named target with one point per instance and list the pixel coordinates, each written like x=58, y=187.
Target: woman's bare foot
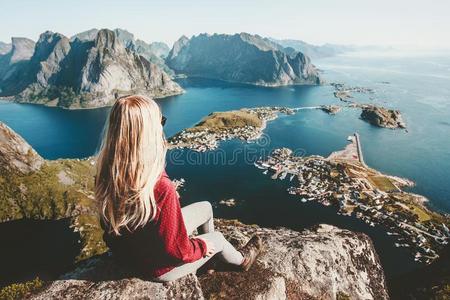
x=250, y=252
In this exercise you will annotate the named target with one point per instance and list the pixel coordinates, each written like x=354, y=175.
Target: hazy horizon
x=415, y=24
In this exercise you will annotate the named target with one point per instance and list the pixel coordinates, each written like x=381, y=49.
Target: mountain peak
x=177, y=46
x=88, y=35
x=241, y=57
x=47, y=43
x=48, y=35
x=21, y=49
x=83, y=72
x=126, y=37
x=107, y=39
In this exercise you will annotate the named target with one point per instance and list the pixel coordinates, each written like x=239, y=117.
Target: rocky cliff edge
x=321, y=263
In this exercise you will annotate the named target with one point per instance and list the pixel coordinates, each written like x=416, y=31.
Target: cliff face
x=82, y=74
x=38, y=189
x=16, y=155
x=13, y=64
x=324, y=262
x=241, y=58
x=22, y=49
x=153, y=52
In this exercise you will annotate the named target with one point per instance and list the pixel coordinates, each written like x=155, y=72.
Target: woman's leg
x=223, y=248
x=198, y=214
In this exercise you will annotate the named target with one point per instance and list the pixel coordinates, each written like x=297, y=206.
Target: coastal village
x=246, y=124
x=344, y=93
x=344, y=180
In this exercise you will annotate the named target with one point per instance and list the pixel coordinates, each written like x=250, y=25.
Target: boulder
x=320, y=263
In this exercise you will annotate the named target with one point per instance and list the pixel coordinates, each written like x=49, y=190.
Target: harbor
x=343, y=180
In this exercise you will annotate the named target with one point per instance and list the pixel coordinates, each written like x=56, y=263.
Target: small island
x=373, y=114
x=246, y=124
x=344, y=92
x=382, y=117
x=331, y=109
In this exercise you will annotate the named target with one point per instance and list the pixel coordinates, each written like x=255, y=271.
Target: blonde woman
x=144, y=225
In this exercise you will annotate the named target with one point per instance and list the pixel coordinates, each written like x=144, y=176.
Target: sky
x=405, y=23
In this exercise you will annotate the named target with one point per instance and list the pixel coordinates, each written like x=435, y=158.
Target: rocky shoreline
x=331, y=109
x=382, y=117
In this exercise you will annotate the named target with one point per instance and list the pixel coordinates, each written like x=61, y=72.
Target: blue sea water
x=417, y=85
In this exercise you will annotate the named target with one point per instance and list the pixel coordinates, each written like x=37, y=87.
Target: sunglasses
x=163, y=120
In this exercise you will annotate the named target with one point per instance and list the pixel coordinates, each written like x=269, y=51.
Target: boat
x=259, y=166
x=265, y=172
x=292, y=177
x=283, y=176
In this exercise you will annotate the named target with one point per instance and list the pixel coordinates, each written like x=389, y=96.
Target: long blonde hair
x=130, y=162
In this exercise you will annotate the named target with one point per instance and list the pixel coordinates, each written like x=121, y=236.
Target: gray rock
x=331, y=109
x=241, y=58
x=321, y=263
x=22, y=49
x=85, y=36
x=110, y=68
x=382, y=117
x=159, y=49
x=16, y=155
x=13, y=64
x=182, y=42
x=154, y=52
x=51, y=50
x=100, y=278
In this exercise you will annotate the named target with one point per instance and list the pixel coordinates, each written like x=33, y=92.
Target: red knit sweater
x=163, y=243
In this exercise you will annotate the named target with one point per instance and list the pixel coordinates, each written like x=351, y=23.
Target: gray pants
x=200, y=215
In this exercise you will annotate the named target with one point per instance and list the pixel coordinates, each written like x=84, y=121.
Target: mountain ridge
x=154, y=52
x=79, y=73
x=240, y=57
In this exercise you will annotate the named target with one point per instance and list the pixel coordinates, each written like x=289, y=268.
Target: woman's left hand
x=210, y=250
